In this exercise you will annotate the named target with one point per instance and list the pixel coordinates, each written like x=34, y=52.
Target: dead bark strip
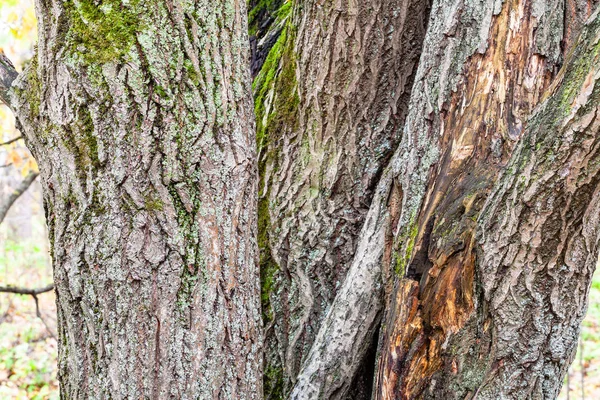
x=457, y=120
x=479, y=126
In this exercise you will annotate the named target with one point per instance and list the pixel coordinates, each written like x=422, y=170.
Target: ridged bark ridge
x=483, y=68
x=140, y=117
x=433, y=347
x=538, y=236
x=331, y=101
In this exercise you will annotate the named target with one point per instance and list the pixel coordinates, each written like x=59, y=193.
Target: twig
x=11, y=141
x=39, y=315
x=23, y=186
x=33, y=293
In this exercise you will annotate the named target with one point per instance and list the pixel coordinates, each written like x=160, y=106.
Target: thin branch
x=11, y=141
x=39, y=315
x=31, y=292
x=8, y=74
x=23, y=186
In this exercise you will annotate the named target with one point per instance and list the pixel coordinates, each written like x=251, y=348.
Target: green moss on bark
x=102, y=32
x=277, y=9
x=276, y=108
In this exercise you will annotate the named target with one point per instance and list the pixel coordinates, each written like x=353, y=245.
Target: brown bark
x=457, y=34
x=139, y=116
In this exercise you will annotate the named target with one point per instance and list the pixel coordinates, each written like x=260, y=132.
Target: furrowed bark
x=431, y=326
x=538, y=236
x=331, y=101
x=139, y=115
x=351, y=323
x=483, y=68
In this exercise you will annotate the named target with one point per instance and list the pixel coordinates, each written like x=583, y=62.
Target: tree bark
x=139, y=116
x=466, y=223
x=331, y=99
x=483, y=68
x=445, y=338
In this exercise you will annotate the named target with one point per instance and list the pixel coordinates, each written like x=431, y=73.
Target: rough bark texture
x=484, y=67
x=331, y=101
x=434, y=346
x=538, y=236
x=140, y=117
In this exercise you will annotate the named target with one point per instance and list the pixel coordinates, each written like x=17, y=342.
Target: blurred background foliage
x=27, y=343
x=28, y=349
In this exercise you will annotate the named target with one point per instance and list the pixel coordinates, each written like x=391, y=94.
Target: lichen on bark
x=148, y=167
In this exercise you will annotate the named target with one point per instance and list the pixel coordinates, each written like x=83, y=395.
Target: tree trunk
x=139, y=115
x=483, y=68
x=445, y=338
x=331, y=99
x=426, y=194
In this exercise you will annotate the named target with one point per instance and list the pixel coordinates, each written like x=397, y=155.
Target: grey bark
x=536, y=249
x=539, y=234
x=458, y=36
x=8, y=74
x=436, y=344
x=139, y=116
x=332, y=118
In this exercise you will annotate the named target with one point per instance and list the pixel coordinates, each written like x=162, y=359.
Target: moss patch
x=101, y=32
x=273, y=383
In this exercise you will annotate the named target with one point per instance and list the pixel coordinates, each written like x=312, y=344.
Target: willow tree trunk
x=331, y=99
x=499, y=317
x=140, y=117
x=484, y=67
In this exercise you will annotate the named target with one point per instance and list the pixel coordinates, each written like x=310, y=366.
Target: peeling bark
x=538, y=236
x=446, y=354
x=483, y=68
x=139, y=115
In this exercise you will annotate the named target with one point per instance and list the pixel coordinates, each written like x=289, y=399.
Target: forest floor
x=28, y=348
x=27, y=343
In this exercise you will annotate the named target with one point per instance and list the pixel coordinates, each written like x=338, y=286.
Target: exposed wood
x=478, y=125
x=538, y=237
x=453, y=37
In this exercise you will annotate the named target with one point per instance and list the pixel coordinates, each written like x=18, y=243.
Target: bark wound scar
x=435, y=299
